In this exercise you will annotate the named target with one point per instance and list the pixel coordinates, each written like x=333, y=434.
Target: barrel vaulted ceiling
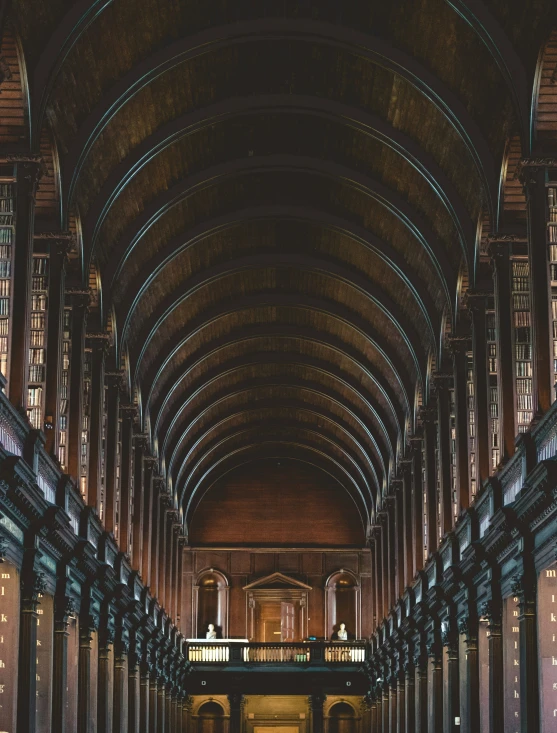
x=279, y=197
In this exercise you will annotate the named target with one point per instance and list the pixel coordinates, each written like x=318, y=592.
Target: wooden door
x=287, y=621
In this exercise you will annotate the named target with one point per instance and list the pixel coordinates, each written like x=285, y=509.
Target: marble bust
x=342, y=634
x=211, y=633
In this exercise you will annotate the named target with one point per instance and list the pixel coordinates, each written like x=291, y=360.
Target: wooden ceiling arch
x=172, y=442
x=346, y=394
x=282, y=414
x=278, y=199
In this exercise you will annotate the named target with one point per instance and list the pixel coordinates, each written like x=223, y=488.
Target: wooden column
x=139, y=502
x=452, y=703
x=161, y=706
x=421, y=722
x=476, y=303
x=63, y=607
x=399, y=537
x=469, y=627
x=435, y=707
x=79, y=301
x=416, y=505
x=86, y=707
x=105, y=689
x=58, y=248
x=492, y=611
x=236, y=701
x=120, y=696
x=149, y=465
x=165, y=504
x=134, y=685
x=114, y=386
x=33, y=584
x=459, y=347
x=391, y=550
x=406, y=497
x=442, y=383
x=400, y=703
x=409, y=695
x=524, y=587
x=392, y=690
x=499, y=250
x=169, y=708
x=378, y=563
x=99, y=344
x=153, y=702
x=127, y=483
x=428, y=417
x=533, y=177
x=155, y=534
x=144, y=696
x=28, y=171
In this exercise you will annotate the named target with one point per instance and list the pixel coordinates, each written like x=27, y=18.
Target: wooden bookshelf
x=37, y=342
x=520, y=290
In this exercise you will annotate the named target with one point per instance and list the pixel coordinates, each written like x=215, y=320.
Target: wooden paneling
x=277, y=503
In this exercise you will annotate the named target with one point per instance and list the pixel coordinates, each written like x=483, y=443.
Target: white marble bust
x=342, y=634
x=211, y=633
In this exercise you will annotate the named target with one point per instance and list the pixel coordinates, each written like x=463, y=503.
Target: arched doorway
x=211, y=597
x=343, y=604
x=342, y=718
x=210, y=718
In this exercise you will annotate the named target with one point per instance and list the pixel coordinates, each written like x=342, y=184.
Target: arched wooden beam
x=373, y=49
x=189, y=489
x=393, y=201
x=284, y=359
x=287, y=213
x=369, y=470
x=68, y=32
x=270, y=449
x=302, y=302
x=173, y=442
x=492, y=35
x=283, y=260
x=164, y=204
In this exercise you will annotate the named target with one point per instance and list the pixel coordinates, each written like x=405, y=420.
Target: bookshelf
x=37, y=342
x=520, y=291
x=452, y=428
x=552, y=251
x=471, y=413
x=63, y=401
x=7, y=239
x=493, y=385
x=85, y=424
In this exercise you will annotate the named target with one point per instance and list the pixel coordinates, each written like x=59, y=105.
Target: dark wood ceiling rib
x=256, y=376
x=276, y=357
x=370, y=261
x=245, y=292
x=279, y=198
x=276, y=124
x=280, y=412
x=325, y=66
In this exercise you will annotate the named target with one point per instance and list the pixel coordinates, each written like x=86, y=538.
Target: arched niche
x=211, y=718
x=342, y=718
x=342, y=604
x=211, y=603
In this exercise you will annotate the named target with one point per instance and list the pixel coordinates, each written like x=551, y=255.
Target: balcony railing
x=233, y=651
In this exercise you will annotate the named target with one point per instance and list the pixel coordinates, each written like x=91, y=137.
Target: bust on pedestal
x=342, y=634
x=211, y=633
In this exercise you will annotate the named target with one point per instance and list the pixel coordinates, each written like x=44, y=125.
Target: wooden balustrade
x=219, y=652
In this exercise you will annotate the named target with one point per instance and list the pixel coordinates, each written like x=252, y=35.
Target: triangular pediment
x=277, y=580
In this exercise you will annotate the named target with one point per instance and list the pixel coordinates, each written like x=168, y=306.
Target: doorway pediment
x=277, y=581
